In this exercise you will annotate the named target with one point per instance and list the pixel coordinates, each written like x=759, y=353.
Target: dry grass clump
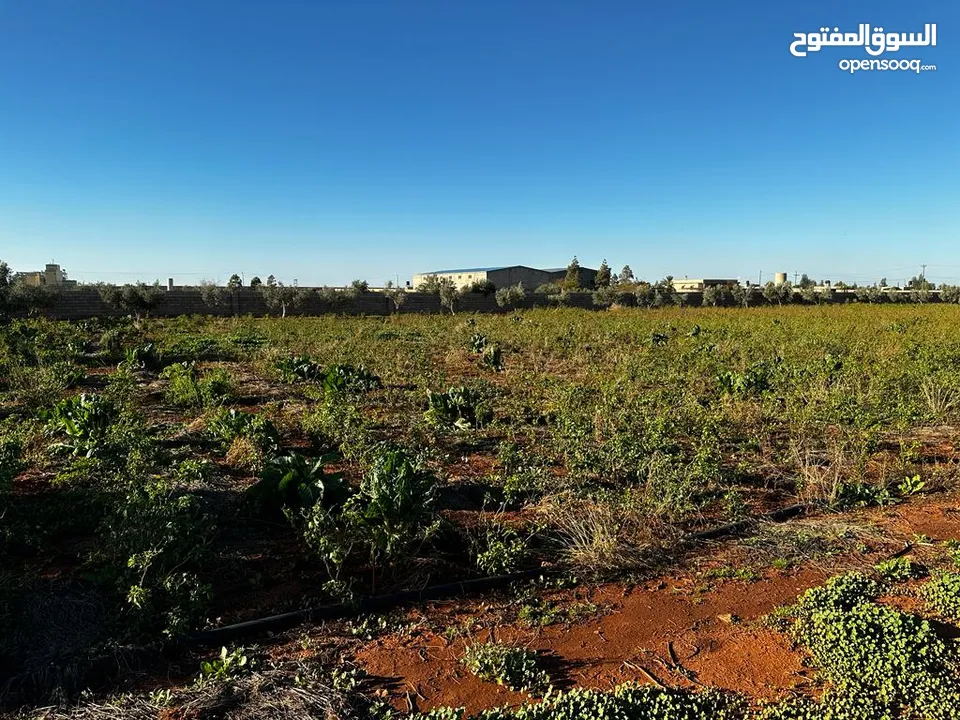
x=282, y=693
x=603, y=535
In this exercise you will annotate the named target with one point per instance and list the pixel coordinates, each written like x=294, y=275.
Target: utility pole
x=923, y=273
x=795, y=273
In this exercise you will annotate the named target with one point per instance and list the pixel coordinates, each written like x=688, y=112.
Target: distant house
x=700, y=284
x=507, y=275
x=52, y=276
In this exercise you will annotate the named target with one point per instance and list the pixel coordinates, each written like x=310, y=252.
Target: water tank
x=779, y=278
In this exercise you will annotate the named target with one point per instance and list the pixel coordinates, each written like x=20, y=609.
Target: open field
x=160, y=478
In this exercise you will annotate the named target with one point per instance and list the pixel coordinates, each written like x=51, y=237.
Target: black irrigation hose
x=380, y=603
x=104, y=667
x=377, y=603
x=784, y=513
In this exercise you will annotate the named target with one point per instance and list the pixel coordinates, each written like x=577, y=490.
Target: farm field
x=620, y=472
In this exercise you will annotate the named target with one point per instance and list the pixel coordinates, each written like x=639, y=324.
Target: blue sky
x=327, y=141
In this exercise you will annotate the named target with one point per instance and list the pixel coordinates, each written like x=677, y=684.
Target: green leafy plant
x=142, y=357
x=187, y=388
x=910, y=485
x=338, y=378
x=84, y=419
x=492, y=358
x=227, y=425
x=896, y=569
x=11, y=463
x=501, y=550
x=459, y=407
x=627, y=702
x=293, y=482
x=398, y=496
x=515, y=667
x=299, y=368
x=478, y=341
x=226, y=666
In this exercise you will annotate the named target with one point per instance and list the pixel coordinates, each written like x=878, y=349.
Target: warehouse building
x=507, y=275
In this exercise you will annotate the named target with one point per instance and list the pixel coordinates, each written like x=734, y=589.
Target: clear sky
x=330, y=140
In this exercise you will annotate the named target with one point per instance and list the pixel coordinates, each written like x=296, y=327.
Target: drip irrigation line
x=380, y=603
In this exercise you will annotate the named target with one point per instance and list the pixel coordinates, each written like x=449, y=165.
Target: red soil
x=653, y=634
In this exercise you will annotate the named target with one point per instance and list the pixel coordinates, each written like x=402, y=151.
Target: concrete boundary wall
x=85, y=302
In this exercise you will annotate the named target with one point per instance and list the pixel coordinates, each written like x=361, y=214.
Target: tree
x=234, y=282
x=603, y=279
x=626, y=276
x=271, y=281
x=213, y=295
x=664, y=293
x=919, y=283
x=482, y=287
x=743, y=296
x=449, y=294
x=356, y=289
x=605, y=296
x=950, y=294
x=572, y=281
x=281, y=297
x=397, y=295
x=717, y=296
x=255, y=281
x=777, y=293
x=509, y=296
x=644, y=294
x=883, y=282
x=805, y=282
x=138, y=299
x=430, y=284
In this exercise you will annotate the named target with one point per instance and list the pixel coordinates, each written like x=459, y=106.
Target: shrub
x=11, y=464
x=515, y=667
x=942, y=594
x=755, y=380
x=502, y=551
x=879, y=659
x=459, y=407
x=156, y=540
x=482, y=287
x=627, y=702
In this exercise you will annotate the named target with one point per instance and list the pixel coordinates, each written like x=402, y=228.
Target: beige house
x=53, y=276
x=700, y=284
